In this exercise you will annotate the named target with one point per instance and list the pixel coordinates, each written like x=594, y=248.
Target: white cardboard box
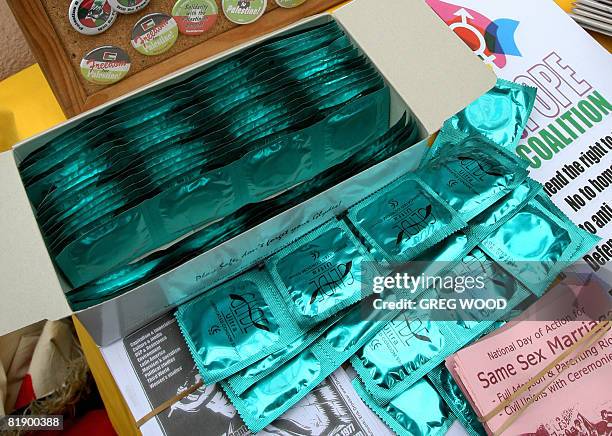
x=431, y=73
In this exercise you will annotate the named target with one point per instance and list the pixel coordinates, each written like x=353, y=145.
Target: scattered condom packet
x=91, y=17
x=322, y=273
x=472, y=174
x=538, y=243
x=403, y=219
x=419, y=410
x=456, y=401
x=273, y=395
x=401, y=353
x=248, y=318
x=500, y=115
x=236, y=324
x=250, y=375
x=503, y=209
x=408, y=347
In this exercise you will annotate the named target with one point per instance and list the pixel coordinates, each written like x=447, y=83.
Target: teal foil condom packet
x=399, y=354
x=235, y=325
x=404, y=219
x=472, y=174
x=171, y=214
x=500, y=115
x=124, y=278
x=250, y=375
x=418, y=411
x=323, y=273
x=537, y=244
x=272, y=396
x=448, y=389
x=414, y=343
x=222, y=326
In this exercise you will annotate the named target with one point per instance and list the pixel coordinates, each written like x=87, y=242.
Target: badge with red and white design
x=91, y=17
x=105, y=65
x=154, y=34
x=195, y=17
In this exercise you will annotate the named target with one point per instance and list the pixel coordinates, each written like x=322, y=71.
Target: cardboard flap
x=435, y=73
x=29, y=287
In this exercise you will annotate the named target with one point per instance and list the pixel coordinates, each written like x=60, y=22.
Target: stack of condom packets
x=115, y=188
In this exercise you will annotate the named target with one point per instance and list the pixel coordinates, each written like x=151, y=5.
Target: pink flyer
x=562, y=334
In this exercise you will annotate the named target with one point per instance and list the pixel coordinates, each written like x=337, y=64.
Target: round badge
x=128, y=6
x=154, y=34
x=290, y=3
x=91, y=17
x=244, y=11
x=194, y=17
x=105, y=65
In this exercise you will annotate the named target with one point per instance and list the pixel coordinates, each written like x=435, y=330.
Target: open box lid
x=426, y=64
x=29, y=288
x=430, y=68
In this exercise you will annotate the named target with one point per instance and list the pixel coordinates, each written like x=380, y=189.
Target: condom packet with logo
x=247, y=377
x=272, y=396
x=392, y=360
x=537, y=244
x=456, y=401
x=413, y=344
x=472, y=174
x=120, y=280
x=404, y=219
x=418, y=411
x=322, y=273
x=236, y=324
x=445, y=255
x=83, y=134
x=500, y=115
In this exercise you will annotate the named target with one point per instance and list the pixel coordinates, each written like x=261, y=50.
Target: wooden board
x=58, y=48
